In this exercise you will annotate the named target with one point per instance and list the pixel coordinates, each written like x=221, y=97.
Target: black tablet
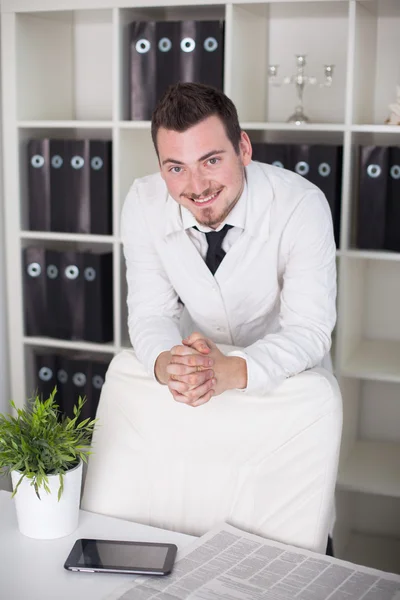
x=112, y=556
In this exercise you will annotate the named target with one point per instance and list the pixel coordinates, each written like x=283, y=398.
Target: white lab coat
x=273, y=296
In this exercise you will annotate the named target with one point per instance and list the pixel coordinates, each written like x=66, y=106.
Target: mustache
x=207, y=192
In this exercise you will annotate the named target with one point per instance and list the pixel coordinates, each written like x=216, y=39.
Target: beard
x=209, y=218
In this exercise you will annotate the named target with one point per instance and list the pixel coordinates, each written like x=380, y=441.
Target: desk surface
x=33, y=569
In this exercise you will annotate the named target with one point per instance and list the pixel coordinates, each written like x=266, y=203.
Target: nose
x=198, y=183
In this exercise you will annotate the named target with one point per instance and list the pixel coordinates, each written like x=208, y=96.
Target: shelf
x=135, y=124
x=377, y=552
x=372, y=254
x=374, y=359
x=67, y=237
x=323, y=127
x=395, y=129
x=108, y=348
x=64, y=124
x=372, y=468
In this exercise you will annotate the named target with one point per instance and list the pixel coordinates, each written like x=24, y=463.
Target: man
x=243, y=252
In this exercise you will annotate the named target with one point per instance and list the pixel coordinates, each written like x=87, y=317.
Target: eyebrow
x=204, y=157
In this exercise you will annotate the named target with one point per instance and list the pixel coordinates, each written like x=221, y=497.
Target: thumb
x=198, y=342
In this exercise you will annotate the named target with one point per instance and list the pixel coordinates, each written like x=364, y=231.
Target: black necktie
x=215, y=253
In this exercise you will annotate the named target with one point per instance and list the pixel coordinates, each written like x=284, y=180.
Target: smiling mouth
x=207, y=200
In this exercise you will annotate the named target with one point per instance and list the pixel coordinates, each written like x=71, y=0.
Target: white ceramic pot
x=48, y=518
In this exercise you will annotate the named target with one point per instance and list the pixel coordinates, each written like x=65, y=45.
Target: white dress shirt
x=272, y=297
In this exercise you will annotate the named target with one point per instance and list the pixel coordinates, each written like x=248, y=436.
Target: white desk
x=33, y=569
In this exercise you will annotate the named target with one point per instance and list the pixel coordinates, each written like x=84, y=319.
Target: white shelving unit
x=65, y=74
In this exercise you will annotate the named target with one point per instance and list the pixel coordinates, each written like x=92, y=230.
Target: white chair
x=266, y=464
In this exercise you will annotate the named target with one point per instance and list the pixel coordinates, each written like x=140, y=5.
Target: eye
x=213, y=161
x=175, y=169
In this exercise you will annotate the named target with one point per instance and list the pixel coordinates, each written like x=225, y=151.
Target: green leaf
x=38, y=440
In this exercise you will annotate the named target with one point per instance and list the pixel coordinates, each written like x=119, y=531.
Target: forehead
x=199, y=139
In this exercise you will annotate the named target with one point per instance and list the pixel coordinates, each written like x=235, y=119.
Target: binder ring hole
x=97, y=382
x=56, y=161
x=324, y=169
x=89, y=274
x=52, y=272
x=96, y=163
x=302, y=168
x=62, y=376
x=188, y=44
x=374, y=171
x=45, y=374
x=210, y=44
x=37, y=161
x=142, y=46
x=165, y=44
x=79, y=379
x=34, y=269
x=278, y=163
x=71, y=272
x=395, y=171
x=77, y=162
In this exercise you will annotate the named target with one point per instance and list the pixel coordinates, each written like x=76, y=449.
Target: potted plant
x=43, y=450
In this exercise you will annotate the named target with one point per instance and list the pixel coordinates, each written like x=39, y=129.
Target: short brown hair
x=186, y=104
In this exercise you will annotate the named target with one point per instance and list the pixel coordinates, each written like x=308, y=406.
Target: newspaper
x=229, y=564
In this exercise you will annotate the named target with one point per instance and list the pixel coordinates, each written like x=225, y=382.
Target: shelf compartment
x=372, y=468
x=376, y=68
x=369, y=334
x=28, y=133
x=187, y=11
x=273, y=33
x=378, y=360
x=64, y=65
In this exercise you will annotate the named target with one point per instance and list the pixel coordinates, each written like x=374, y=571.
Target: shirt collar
x=236, y=217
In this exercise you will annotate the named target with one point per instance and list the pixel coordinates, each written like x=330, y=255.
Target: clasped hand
x=197, y=370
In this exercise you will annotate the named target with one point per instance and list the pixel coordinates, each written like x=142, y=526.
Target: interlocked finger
x=193, y=379
x=192, y=395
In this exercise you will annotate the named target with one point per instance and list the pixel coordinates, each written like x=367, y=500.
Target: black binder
x=74, y=380
x=143, y=74
x=98, y=297
x=100, y=193
x=202, y=52
x=322, y=165
x=165, y=52
x=98, y=371
x=58, y=184
x=34, y=286
x=72, y=284
x=45, y=374
x=373, y=184
x=57, y=316
x=277, y=155
x=392, y=237
x=326, y=173
x=168, y=55
x=39, y=185
x=78, y=189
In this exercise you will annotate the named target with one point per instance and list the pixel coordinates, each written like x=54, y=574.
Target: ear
x=245, y=148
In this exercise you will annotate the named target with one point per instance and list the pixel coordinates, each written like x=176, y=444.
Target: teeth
x=206, y=199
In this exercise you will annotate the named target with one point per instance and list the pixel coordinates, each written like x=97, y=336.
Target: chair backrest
x=266, y=464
